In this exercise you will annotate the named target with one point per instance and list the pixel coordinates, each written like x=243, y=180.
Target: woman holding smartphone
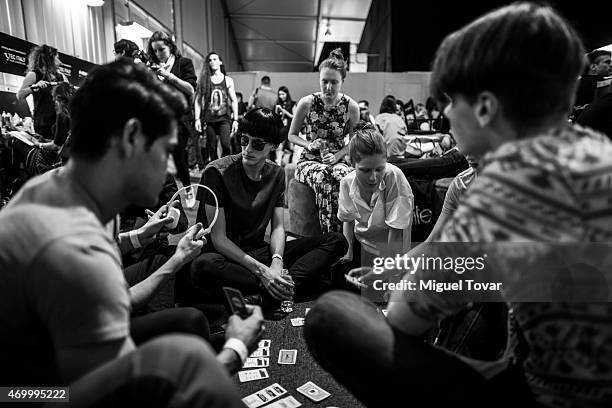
x=178, y=72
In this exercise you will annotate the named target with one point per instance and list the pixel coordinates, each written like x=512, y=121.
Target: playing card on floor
x=264, y=343
x=313, y=391
x=252, y=375
x=255, y=362
x=298, y=321
x=264, y=396
x=261, y=352
x=287, y=402
x=287, y=356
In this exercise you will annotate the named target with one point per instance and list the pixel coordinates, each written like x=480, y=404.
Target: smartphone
x=236, y=302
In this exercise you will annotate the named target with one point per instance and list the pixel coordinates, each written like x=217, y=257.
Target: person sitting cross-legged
x=250, y=190
x=537, y=216
x=64, y=301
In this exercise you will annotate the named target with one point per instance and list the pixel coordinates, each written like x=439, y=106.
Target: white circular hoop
x=209, y=228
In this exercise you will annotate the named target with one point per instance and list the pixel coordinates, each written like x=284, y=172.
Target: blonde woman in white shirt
x=375, y=201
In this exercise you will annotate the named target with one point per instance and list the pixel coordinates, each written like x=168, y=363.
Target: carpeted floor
x=284, y=336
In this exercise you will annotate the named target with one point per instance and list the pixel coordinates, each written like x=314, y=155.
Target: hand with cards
x=157, y=221
x=246, y=324
x=236, y=302
x=189, y=247
x=362, y=277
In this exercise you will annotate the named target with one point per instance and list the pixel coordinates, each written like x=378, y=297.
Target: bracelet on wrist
x=133, y=235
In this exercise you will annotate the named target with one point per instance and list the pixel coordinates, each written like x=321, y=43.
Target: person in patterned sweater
x=540, y=206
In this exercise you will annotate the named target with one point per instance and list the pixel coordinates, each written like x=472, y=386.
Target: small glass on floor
x=286, y=306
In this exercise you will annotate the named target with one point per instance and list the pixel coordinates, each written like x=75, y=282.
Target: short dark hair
x=366, y=103
x=110, y=96
x=127, y=47
x=388, y=104
x=63, y=94
x=593, y=55
x=366, y=141
x=167, y=39
x=265, y=80
x=526, y=54
x=335, y=61
x=262, y=123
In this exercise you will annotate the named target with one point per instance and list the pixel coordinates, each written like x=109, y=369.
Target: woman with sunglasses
x=330, y=116
x=250, y=190
x=43, y=74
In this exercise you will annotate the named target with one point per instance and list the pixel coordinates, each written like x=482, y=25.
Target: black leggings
x=308, y=260
x=184, y=320
x=379, y=364
x=165, y=319
x=434, y=168
x=217, y=130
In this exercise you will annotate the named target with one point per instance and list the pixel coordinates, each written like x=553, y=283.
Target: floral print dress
x=329, y=123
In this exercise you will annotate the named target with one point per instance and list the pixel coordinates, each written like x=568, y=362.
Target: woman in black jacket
x=177, y=71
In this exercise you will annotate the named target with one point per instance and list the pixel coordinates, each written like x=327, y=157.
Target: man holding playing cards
x=508, y=80
x=64, y=301
x=250, y=190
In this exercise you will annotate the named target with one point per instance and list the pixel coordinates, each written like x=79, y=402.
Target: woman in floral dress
x=329, y=117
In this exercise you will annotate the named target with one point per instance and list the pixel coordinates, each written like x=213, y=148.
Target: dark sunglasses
x=257, y=144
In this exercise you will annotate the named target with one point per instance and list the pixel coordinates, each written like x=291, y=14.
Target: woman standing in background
x=178, y=72
x=216, y=105
x=285, y=107
x=329, y=117
x=43, y=74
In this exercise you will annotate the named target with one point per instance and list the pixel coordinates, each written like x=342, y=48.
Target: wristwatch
x=279, y=256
